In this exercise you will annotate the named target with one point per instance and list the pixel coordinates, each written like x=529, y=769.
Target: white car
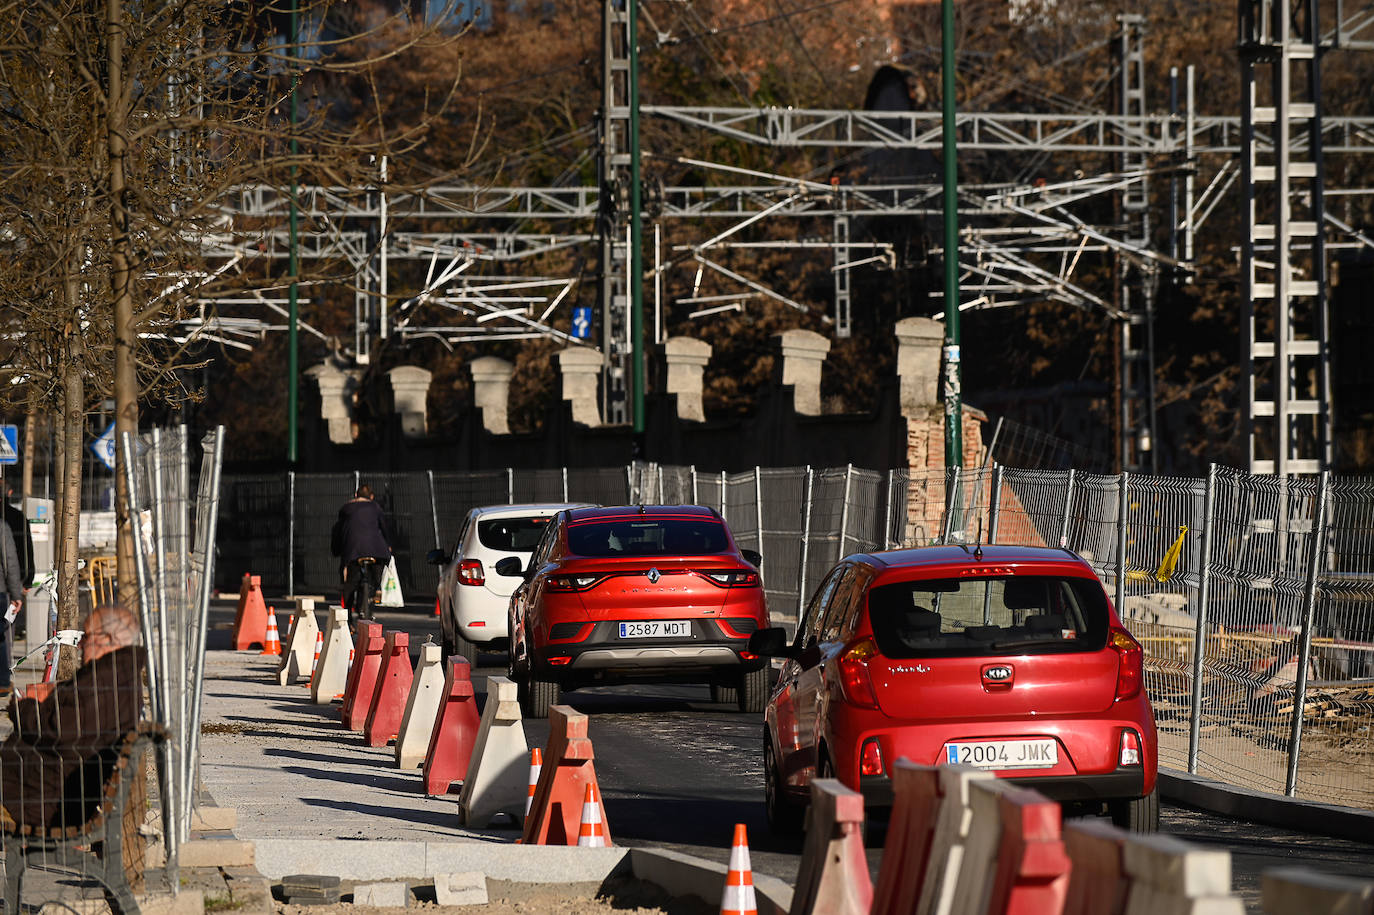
x=472, y=598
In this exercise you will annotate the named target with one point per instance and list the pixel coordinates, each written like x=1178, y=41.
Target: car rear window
x=974, y=616
x=648, y=537
x=511, y=535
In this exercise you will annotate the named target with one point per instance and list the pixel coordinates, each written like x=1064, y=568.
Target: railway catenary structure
x=1018, y=242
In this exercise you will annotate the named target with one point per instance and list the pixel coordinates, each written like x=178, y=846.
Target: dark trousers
x=6, y=652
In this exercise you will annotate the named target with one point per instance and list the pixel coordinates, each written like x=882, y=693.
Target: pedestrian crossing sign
x=9, y=444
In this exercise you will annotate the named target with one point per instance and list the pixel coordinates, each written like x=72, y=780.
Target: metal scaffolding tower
x=1283, y=256
x=1136, y=277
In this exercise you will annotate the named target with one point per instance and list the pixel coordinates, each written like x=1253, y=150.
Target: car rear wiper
x=1028, y=643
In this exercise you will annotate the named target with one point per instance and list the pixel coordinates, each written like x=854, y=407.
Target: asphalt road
x=678, y=771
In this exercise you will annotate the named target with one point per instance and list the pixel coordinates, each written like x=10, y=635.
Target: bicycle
x=362, y=591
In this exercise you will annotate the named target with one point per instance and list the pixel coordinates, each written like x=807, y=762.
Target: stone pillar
x=581, y=368
x=410, y=394
x=918, y=364
x=491, y=391
x=686, y=358
x=336, y=400
x=803, y=351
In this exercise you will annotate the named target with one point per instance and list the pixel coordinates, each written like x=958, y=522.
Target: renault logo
x=654, y=576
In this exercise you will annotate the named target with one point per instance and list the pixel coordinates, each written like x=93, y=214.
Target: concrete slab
x=468, y=888
x=391, y=894
x=216, y=853
x=376, y=860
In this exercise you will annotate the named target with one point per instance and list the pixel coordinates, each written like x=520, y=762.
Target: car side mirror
x=769, y=643
x=753, y=557
x=436, y=557
x=510, y=567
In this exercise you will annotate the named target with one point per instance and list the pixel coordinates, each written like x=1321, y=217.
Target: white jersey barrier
x=497, y=772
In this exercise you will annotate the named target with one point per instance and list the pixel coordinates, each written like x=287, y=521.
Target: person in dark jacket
x=361, y=533
x=23, y=543
x=11, y=599
x=63, y=748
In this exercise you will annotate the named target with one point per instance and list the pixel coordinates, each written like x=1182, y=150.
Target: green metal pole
x=636, y=289
x=293, y=344
x=954, y=451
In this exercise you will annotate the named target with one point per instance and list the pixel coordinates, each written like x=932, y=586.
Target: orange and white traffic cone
x=271, y=642
x=536, y=765
x=738, y=897
x=314, y=665
x=592, y=832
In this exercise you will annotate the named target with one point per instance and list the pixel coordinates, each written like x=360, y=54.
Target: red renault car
x=636, y=594
x=1011, y=659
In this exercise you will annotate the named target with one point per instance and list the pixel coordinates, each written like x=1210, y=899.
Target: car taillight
x=1130, y=674
x=858, y=687
x=571, y=582
x=470, y=572
x=871, y=758
x=1130, y=748
x=735, y=578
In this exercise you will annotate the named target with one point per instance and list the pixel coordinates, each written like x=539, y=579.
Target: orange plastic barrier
x=1032, y=874
x=910, y=832
x=455, y=732
x=555, y=815
x=833, y=876
x=362, y=675
x=250, y=619
x=393, y=689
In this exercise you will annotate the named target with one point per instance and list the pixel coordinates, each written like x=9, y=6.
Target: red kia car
x=1011, y=659
x=636, y=594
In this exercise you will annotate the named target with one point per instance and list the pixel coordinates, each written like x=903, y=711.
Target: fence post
x=722, y=496
x=1123, y=505
x=994, y=502
x=758, y=506
x=695, y=499
x=887, y=513
x=951, y=494
x=1309, y=612
x=1068, y=509
x=660, y=483
x=434, y=509
x=565, y=482
x=630, y=485
x=291, y=532
x=844, y=510
x=510, y=485
x=1204, y=596
x=805, y=546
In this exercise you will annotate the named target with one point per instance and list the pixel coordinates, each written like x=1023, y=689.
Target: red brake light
x=571, y=582
x=1130, y=748
x=1130, y=675
x=871, y=758
x=854, y=678
x=470, y=572
x=734, y=578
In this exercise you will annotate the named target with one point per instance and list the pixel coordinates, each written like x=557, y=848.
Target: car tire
x=1137, y=815
x=724, y=694
x=466, y=650
x=752, y=694
x=784, y=817
x=539, y=696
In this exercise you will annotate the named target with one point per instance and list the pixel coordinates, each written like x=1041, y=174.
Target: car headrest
x=1023, y=594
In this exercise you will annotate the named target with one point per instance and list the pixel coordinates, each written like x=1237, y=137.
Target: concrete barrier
x=331, y=674
x=426, y=692
x=1031, y=866
x=556, y=813
x=1298, y=891
x=833, y=876
x=300, y=648
x=497, y=771
x=910, y=831
x=1169, y=875
x=393, y=687
x=1097, y=882
x=952, y=823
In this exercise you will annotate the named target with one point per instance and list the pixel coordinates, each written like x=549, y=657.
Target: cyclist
x=361, y=542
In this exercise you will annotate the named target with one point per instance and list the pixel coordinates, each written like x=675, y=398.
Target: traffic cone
x=536, y=764
x=592, y=832
x=319, y=646
x=738, y=897
x=271, y=642
x=436, y=606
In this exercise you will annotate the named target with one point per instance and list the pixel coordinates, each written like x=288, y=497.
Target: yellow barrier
x=100, y=576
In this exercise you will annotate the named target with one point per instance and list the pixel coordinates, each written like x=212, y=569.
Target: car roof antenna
x=978, y=543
